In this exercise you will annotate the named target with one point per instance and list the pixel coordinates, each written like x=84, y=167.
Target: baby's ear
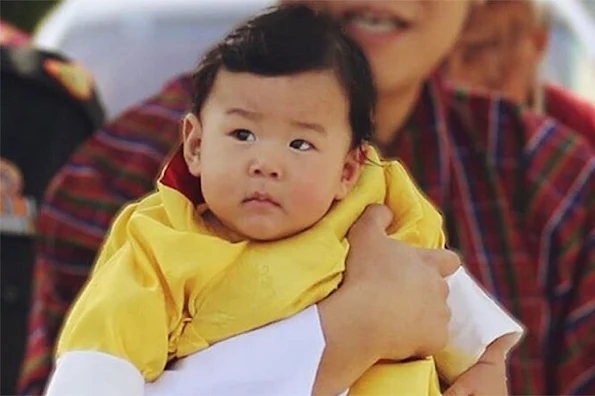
x=351, y=170
x=192, y=139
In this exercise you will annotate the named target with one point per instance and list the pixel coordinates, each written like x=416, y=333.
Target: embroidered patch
x=17, y=213
x=12, y=36
x=74, y=77
x=11, y=178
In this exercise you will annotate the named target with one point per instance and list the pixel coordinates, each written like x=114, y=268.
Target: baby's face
x=272, y=153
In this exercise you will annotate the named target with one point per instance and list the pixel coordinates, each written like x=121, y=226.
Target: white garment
x=278, y=359
x=476, y=321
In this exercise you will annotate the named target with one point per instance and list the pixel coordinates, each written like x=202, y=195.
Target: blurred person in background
x=49, y=106
x=519, y=210
x=501, y=50
x=280, y=67
x=110, y=36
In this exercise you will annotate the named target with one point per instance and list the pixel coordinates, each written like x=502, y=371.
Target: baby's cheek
x=311, y=197
x=217, y=186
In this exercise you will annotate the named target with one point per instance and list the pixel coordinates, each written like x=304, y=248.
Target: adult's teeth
x=374, y=22
x=375, y=25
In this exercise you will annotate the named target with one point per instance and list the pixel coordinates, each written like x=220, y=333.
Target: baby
x=248, y=223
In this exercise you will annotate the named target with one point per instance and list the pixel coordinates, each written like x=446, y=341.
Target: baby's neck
x=219, y=229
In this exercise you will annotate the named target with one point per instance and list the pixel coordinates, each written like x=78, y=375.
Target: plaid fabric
x=518, y=194
x=574, y=112
x=517, y=190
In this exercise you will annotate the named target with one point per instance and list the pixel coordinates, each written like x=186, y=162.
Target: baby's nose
x=262, y=167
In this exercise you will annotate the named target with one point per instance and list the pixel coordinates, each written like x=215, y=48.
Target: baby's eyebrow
x=255, y=116
x=252, y=115
x=310, y=125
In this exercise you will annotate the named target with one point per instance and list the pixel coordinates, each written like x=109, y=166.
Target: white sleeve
x=278, y=359
x=89, y=373
x=476, y=321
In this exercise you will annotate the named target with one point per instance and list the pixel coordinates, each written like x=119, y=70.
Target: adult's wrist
x=349, y=349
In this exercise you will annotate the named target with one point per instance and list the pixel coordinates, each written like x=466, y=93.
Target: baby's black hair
x=291, y=39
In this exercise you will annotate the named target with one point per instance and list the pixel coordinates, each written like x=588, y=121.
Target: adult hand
x=392, y=303
x=401, y=289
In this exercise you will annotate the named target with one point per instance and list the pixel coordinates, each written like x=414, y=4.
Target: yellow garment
x=164, y=286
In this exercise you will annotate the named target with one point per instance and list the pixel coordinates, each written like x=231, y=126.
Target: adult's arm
x=382, y=310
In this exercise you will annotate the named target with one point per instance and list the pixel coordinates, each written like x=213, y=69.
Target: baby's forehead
x=319, y=79
x=312, y=94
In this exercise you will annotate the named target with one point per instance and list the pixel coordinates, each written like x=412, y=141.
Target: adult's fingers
x=444, y=260
x=457, y=389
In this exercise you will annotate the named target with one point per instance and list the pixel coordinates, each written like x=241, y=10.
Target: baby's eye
x=243, y=135
x=301, y=145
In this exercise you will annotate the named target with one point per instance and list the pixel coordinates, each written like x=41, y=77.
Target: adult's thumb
x=374, y=216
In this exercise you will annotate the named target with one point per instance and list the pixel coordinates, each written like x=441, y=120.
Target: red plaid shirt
x=517, y=192
x=570, y=110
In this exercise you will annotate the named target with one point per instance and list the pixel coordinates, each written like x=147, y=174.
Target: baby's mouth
x=261, y=198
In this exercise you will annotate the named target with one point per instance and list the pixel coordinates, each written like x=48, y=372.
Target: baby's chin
x=265, y=235
x=266, y=232
x=258, y=227
x=250, y=228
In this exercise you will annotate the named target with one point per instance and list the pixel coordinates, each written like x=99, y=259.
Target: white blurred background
x=132, y=47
